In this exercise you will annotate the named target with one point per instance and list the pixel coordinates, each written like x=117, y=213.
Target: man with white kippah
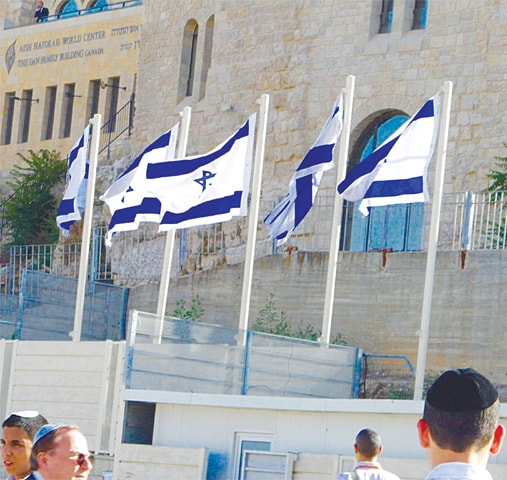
x=460, y=425
x=60, y=452
x=18, y=430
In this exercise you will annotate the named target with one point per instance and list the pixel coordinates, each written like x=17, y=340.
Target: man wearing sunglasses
x=60, y=452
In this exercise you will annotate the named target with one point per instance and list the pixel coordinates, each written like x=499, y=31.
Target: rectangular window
x=49, y=113
x=92, y=105
x=67, y=109
x=386, y=16
x=420, y=8
x=139, y=423
x=248, y=441
x=113, y=87
x=24, y=118
x=8, y=117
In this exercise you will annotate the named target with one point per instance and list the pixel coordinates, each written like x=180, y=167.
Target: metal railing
x=86, y=11
x=468, y=221
x=387, y=376
x=61, y=259
x=119, y=123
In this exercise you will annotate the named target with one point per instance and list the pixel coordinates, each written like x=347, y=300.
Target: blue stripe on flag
x=127, y=201
x=129, y=214
x=304, y=184
x=177, y=168
x=395, y=172
x=304, y=187
x=160, y=142
x=367, y=166
x=392, y=188
x=217, y=206
x=158, y=188
x=66, y=206
x=74, y=151
x=74, y=197
x=316, y=156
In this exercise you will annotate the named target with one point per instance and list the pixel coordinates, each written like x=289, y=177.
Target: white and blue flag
x=183, y=192
x=304, y=184
x=395, y=172
x=127, y=198
x=205, y=189
x=74, y=197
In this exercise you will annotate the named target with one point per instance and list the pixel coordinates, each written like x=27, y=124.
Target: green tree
x=30, y=211
x=498, y=177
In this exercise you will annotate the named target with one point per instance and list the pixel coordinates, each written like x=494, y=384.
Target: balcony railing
x=97, y=9
x=118, y=124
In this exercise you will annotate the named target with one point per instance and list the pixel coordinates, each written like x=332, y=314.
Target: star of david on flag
x=184, y=192
x=204, y=189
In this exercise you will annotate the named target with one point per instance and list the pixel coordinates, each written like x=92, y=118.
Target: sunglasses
x=82, y=458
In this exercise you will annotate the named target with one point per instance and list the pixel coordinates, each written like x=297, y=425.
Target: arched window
x=68, y=9
x=396, y=227
x=97, y=6
x=188, y=56
x=208, y=50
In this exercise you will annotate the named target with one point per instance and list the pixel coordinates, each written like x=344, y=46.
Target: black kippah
x=462, y=390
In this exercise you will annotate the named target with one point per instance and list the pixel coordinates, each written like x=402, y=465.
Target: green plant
x=338, y=339
x=274, y=321
x=496, y=230
x=271, y=320
x=498, y=177
x=195, y=312
x=30, y=211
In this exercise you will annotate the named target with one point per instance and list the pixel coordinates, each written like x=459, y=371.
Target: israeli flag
x=304, y=184
x=74, y=197
x=205, y=189
x=395, y=173
x=127, y=198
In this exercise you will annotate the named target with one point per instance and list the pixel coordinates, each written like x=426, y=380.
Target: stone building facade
x=220, y=56
x=300, y=53
x=56, y=74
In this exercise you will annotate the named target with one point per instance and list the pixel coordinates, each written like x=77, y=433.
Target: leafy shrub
x=195, y=312
x=274, y=321
x=30, y=211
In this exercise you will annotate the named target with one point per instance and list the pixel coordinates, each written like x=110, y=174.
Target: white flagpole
x=341, y=171
x=87, y=227
x=254, y=213
x=432, y=241
x=169, y=240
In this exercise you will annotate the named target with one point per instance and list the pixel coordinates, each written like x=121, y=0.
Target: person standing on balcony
x=460, y=425
x=18, y=430
x=367, y=449
x=60, y=452
x=41, y=12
